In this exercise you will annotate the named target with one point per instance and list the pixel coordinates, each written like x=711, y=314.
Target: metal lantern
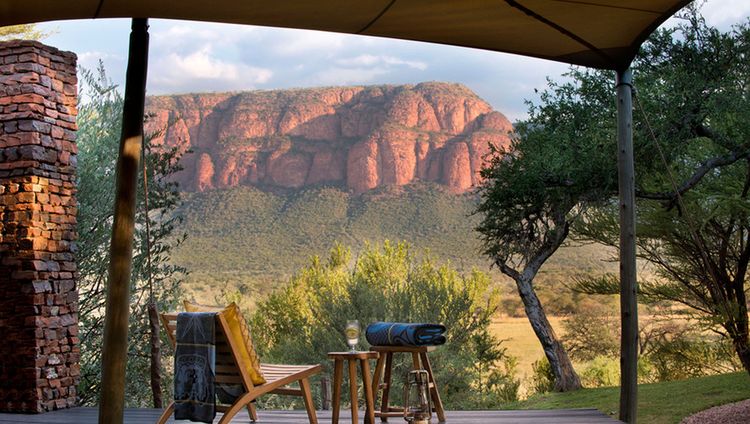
x=417, y=403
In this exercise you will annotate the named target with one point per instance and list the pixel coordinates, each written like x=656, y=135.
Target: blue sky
x=194, y=57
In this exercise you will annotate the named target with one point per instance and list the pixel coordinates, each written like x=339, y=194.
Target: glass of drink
x=352, y=334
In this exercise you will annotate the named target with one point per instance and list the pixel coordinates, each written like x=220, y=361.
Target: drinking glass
x=352, y=334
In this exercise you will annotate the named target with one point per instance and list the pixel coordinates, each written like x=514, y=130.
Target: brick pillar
x=39, y=352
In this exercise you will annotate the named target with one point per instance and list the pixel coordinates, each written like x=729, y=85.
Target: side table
x=338, y=368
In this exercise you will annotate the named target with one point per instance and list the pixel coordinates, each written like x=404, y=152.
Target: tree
x=692, y=146
x=99, y=119
x=693, y=172
x=23, y=32
x=560, y=162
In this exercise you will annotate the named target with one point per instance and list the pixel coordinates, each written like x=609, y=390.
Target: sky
x=194, y=57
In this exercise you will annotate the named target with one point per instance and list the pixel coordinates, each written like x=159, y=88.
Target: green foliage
x=257, y=239
x=671, y=347
x=602, y=371
x=542, y=378
x=560, y=161
x=593, y=330
x=692, y=356
x=305, y=319
x=98, y=139
x=22, y=32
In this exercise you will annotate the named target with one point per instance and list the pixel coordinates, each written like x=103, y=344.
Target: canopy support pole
x=115, y=345
x=628, y=301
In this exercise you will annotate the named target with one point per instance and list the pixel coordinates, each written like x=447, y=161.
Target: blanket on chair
x=404, y=334
x=194, y=367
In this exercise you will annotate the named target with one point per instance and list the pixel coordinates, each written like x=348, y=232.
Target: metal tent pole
x=115, y=346
x=628, y=303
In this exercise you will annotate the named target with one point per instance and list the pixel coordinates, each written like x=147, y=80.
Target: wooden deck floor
x=149, y=416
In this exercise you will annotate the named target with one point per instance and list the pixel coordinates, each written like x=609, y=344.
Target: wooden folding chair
x=231, y=370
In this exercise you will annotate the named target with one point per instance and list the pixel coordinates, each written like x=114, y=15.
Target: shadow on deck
x=149, y=416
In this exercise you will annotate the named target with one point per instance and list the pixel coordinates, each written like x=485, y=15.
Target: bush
x=593, y=330
x=691, y=356
x=304, y=320
x=542, y=378
x=603, y=371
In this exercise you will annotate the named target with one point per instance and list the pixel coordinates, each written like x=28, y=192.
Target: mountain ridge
x=359, y=137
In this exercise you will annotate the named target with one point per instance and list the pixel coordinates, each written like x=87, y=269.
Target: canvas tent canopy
x=602, y=34
x=595, y=33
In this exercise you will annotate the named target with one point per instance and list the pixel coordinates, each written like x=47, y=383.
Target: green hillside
x=252, y=240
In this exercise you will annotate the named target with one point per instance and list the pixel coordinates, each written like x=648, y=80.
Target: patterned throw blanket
x=194, y=362
x=404, y=334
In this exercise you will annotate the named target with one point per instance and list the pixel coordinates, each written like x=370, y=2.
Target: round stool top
x=353, y=355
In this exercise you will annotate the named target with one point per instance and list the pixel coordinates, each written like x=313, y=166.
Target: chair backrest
x=228, y=370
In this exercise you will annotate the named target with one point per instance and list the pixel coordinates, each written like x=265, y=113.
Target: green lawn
x=659, y=403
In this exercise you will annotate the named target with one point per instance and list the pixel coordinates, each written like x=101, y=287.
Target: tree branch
x=699, y=173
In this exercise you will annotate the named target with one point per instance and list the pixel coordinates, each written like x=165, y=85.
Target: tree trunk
x=566, y=378
x=742, y=347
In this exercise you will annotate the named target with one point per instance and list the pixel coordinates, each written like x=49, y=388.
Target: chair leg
x=304, y=384
x=166, y=414
x=235, y=408
x=252, y=412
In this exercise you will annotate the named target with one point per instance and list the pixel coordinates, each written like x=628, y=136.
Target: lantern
x=417, y=404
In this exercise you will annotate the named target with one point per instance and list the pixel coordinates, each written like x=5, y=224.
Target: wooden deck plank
x=149, y=416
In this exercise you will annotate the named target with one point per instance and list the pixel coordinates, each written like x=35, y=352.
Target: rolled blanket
x=194, y=367
x=404, y=334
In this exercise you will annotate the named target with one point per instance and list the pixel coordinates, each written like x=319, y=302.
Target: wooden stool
x=383, y=368
x=338, y=368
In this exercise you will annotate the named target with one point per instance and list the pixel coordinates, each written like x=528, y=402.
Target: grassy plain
x=658, y=403
x=521, y=342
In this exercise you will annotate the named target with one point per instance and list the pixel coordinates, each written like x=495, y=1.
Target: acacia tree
x=559, y=162
x=693, y=167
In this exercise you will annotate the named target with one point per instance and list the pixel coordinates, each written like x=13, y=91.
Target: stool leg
x=438, y=403
x=353, y=388
x=378, y=375
x=337, y=374
x=386, y=386
x=367, y=386
x=415, y=360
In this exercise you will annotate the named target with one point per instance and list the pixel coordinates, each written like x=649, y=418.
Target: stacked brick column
x=39, y=352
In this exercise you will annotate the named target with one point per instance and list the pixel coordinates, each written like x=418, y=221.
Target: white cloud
x=290, y=42
x=372, y=60
x=112, y=62
x=724, y=13
x=202, y=70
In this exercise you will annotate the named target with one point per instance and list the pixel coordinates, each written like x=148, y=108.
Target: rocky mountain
x=358, y=138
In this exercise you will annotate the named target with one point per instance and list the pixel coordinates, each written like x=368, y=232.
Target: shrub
x=542, y=378
x=304, y=320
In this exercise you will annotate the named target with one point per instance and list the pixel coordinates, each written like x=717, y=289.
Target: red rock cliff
x=360, y=137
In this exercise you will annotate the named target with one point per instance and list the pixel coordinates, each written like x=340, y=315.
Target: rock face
x=358, y=137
